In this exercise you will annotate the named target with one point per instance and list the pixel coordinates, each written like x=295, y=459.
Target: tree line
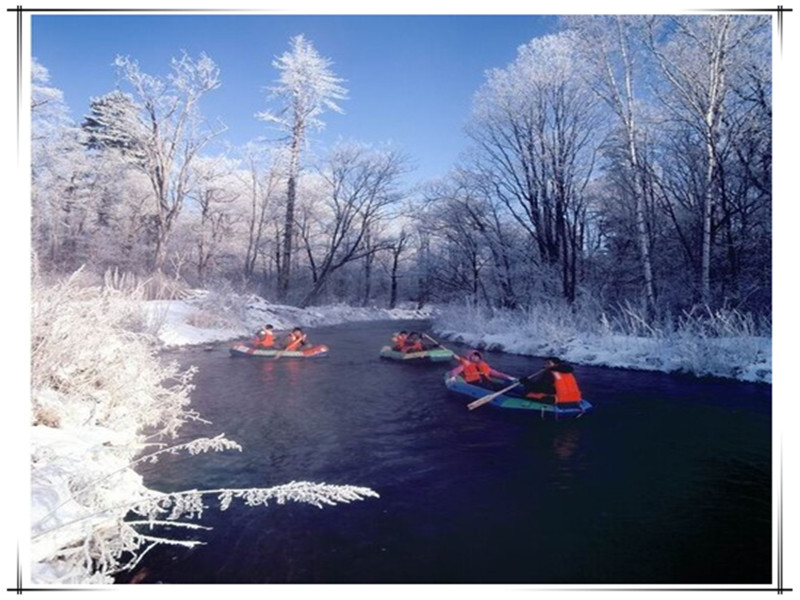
x=624, y=160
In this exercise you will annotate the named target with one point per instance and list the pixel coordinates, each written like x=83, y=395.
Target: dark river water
x=668, y=481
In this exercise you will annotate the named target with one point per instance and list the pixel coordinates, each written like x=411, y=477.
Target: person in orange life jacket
x=556, y=384
x=295, y=339
x=413, y=343
x=477, y=371
x=265, y=337
x=399, y=340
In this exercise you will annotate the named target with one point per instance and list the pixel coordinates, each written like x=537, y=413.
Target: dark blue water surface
x=667, y=481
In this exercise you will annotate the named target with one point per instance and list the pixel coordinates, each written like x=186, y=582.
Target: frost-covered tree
x=214, y=190
x=398, y=245
x=173, y=133
x=745, y=223
x=113, y=135
x=535, y=126
x=612, y=57
x=262, y=175
x=305, y=89
x=361, y=184
x=701, y=58
x=468, y=212
x=48, y=109
x=455, y=219
x=62, y=213
x=114, y=122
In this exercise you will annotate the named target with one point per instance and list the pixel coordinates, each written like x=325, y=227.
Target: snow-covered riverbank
x=716, y=345
x=207, y=318
x=744, y=358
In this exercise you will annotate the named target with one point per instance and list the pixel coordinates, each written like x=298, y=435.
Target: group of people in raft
x=265, y=338
x=555, y=383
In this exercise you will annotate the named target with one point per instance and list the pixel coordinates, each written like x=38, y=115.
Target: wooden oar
x=488, y=398
x=281, y=352
x=438, y=344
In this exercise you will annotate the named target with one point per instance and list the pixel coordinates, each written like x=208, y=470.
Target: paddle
x=489, y=397
x=279, y=353
x=438, y=344
x=288, y=349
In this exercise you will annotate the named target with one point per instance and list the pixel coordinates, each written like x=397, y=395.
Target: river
x=667, y=481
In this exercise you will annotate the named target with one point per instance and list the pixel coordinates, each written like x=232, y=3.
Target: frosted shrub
x=96, y=387
x=543, y=327
x=161, y=287
x=88, y=538
x=228, y=309
x=724, y=343
x=631, y=321
x=704, y=322
x=455, y=316
x=552, y=321
x=103, y=373
x=114, y=279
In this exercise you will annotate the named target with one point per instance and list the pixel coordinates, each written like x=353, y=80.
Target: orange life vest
x=268, y=341
x=566, y=387
x=415, y=346
x=473, y=370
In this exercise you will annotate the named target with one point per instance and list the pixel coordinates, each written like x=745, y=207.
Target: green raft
x=432, y=355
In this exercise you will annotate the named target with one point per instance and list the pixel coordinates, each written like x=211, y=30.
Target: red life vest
x=566, y=387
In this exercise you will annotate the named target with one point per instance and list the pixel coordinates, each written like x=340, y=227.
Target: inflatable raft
x=456, y=385
x=432, y=355
x=311, y=352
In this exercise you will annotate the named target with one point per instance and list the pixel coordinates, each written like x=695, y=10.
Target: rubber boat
x=311, y=352
x=432, y=355
x=456, y=385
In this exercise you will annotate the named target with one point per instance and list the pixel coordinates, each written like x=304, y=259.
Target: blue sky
x=410, y=78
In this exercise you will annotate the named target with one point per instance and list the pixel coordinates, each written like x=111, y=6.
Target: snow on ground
x=744, y=359
x=61, y=460
x=203, y=319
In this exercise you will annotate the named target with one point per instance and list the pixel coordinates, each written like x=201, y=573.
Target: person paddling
x=477, y=371
x=556, y=383
x=295, y=339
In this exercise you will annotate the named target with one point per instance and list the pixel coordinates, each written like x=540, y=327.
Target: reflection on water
x=565, y=448
x=668, y=481
x=565, y=443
